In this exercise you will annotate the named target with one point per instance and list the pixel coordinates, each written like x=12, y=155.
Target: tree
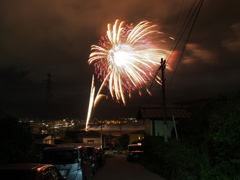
x=224, y=136
x=122, y=142
x=16, y=141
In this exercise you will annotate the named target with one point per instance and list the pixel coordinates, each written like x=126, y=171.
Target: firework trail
x=127, y=58
x=91, y=101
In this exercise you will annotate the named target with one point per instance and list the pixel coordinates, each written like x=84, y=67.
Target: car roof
x=25, y=166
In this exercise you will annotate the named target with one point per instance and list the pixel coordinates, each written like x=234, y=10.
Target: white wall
x=159, y=124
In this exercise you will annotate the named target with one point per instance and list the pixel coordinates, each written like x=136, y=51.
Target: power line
x=196, y=13
x=192, y=15
x=183, y=29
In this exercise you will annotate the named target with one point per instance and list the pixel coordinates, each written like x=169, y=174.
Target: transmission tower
x=49, y=112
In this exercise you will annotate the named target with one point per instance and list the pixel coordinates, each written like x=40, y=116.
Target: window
x=90, y=141
x=60, y=157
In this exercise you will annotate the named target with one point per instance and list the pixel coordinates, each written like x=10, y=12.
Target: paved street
x=119, y=168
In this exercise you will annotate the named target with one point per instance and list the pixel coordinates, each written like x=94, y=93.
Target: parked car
x=101, y=157
x=72, y=162
x=30, y=171
x=134, y=152
x=93, y=157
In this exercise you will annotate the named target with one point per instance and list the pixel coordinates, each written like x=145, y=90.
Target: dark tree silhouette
x=16, y=141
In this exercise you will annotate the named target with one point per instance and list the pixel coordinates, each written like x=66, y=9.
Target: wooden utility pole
x=162, y=67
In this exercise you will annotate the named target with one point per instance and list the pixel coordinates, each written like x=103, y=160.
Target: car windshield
x=60, y=157
x=13, y=174
x=135, y=148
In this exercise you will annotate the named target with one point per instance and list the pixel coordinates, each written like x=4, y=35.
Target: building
x=154, y=119
x=136, y=136
x=90, y=137
x=44, y=138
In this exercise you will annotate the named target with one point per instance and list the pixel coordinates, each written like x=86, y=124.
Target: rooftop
x=157, y=113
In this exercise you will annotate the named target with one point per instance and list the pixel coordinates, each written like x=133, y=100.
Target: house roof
x=138, y=132
x=40, y=136
x=157, y=113
x=73, y=134
x=90, y=134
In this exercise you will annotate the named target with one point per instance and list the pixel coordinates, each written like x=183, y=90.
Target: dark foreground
x=118, y=168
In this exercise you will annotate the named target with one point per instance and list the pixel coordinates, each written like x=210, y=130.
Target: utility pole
x=162, y=67
x=102, y=137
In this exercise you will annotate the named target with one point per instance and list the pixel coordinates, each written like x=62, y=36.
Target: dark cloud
x=42, y=36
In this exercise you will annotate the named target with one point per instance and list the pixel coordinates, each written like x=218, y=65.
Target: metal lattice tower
x=49, y=111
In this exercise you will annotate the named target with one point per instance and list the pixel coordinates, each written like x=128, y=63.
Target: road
x=118, y=168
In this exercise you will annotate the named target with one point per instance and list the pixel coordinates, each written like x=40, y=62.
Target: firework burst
x=127, y=57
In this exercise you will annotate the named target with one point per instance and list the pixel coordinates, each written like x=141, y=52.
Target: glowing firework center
x=120, y=55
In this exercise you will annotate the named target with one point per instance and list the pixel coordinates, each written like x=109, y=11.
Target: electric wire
x=197, y=10
x=192, y=15
x=177, y=20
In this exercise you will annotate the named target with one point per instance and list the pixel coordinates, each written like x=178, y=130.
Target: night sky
x=41, y=36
